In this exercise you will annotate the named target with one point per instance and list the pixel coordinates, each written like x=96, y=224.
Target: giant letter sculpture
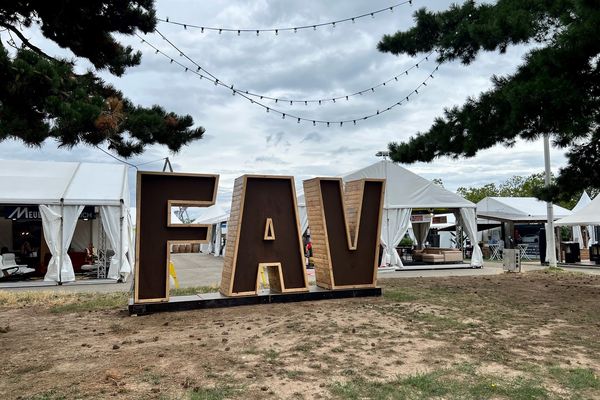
x=344, y=230
x=157, y=193
x=263, y=232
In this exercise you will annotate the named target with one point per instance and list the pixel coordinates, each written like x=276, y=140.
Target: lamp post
x=549, y=208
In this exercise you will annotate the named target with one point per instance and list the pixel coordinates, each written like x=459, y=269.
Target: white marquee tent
x=588, y=215
x=517, y=209
x=62, y=190
x=584, y=200
x=521, y=210
x=404, y=192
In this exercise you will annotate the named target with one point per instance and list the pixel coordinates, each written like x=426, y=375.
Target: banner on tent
x=420, y=218
x=263, y=233
x=32, y=213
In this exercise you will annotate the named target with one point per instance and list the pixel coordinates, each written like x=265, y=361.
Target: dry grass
x=519, y=336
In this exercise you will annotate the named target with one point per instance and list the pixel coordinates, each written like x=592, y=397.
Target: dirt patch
x=501, y=328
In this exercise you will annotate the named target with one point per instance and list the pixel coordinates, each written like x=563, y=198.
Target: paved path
x=205, y=270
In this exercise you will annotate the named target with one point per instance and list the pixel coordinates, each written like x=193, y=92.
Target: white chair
x=10, y=268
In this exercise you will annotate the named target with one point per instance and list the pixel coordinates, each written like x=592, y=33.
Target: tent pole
x=121, y=255
x=549, y=206
x=60, y=252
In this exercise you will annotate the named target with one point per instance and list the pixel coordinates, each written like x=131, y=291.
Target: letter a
x=156, y=194
x=344, y=230
x=263, y=232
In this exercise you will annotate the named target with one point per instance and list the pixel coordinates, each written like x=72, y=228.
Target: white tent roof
x=588, y=215
x=584, y=200
x=44, y=182
x=405, y=189
x=213, y=214
x=518, y=209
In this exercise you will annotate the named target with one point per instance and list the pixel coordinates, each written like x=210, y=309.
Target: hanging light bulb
x=298, y=120
x=257, y=33
x=202, y=30
x=267, y=109
x=238, y=32
x=314, y=123
x=328, y=124
x=276, y=32
x=282, y=116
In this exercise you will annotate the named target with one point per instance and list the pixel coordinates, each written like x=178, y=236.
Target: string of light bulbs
x=298, y=119
x=332, y=99
x=294, y=29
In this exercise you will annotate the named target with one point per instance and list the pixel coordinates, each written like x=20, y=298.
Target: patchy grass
x=216, y=393
x=189, y=291
x=60, y=302
x=441, y=384
x=576, y=378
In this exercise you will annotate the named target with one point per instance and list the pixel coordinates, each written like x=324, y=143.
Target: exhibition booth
x=413, y=201
x=59, y=218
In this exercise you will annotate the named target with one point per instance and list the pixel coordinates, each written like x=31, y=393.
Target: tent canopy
x=517, y=209
x=213, y=214
x=588, y=215
x=405, y=189
x=42, y=182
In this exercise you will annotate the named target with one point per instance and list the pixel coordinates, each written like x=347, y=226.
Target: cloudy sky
x=242, y=138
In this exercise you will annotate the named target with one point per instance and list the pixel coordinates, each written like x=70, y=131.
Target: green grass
x=49, y=395
x=188, y=291
x=85, y=302
x=216, y=393
x=440, y=384
x=576, y=378
x=399, y=296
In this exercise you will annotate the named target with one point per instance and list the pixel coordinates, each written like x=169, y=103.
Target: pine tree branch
x=26, y=41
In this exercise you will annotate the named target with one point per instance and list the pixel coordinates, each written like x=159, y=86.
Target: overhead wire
x=212, y=78
x=314, y=26
x=291, y=101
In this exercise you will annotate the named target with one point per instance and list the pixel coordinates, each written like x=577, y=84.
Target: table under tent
x=62, y=218
x=411, y=200
x=587, y=216
x=523, y=225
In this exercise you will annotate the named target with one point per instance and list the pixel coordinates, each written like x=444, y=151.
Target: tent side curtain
x=394, y=225
x=421, y=229
x=59, y=224
x=468, y=221
x=117, y=230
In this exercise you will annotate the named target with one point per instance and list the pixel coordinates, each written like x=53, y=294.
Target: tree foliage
x=42, y=97
x=518, y=186
x=555, y=91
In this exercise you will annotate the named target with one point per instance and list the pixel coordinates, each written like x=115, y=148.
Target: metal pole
x=549, y=208
x=60, y=252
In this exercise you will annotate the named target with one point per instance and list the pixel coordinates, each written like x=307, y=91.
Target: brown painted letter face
x=344, y=230
x=263, y=232
x=156, y=194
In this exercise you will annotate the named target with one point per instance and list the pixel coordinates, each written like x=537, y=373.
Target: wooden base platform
x=217, y=300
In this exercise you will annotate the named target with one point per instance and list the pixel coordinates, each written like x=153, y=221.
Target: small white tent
x=517, y=209
x=405, y=191
x=584, y=200
x=588, y=215
x=61, y=190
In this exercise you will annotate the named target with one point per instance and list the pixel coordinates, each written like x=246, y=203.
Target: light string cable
x=285, y=29
x=299, y=119
x=320, y=101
